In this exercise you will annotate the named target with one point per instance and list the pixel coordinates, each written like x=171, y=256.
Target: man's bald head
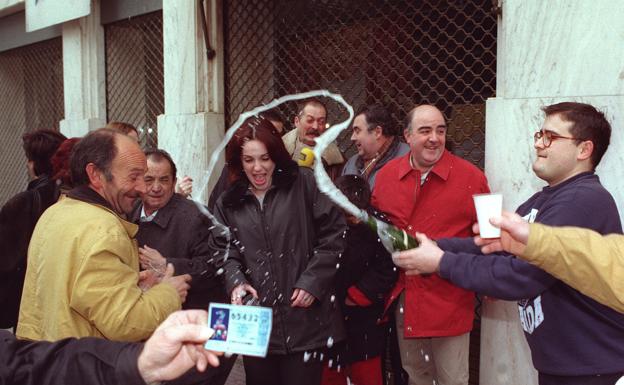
x=422, y=112
x=111, y=164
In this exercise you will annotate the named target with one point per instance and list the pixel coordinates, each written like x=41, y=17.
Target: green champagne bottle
x=393, y=238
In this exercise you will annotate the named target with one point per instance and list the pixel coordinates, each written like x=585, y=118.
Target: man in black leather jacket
x=19, y=216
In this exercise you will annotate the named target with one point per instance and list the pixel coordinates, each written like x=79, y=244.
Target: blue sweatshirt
x=568, y=333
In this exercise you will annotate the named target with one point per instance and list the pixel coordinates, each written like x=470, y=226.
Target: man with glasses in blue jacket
x=573, y=339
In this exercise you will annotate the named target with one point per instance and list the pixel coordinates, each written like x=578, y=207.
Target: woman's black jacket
x=294, y=239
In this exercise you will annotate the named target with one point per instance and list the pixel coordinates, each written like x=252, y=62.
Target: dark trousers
x=283, y=369
x=399, y=375
x=601, y=379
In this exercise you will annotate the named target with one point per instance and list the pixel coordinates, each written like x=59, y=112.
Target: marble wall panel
x=505, y=356
x=42, y=14
x=561, y=47
x=180, y=61
x=84, y=77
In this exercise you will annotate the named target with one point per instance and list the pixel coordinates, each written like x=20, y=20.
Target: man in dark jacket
x=173, y=230
x=376, y=141
x=19, y=216
x=365, y=277
x=164, y=356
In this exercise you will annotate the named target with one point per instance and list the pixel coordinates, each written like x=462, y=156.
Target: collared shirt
x=423, y=175
x=147, y=218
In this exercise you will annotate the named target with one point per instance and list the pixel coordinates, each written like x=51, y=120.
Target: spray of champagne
x=393, y=238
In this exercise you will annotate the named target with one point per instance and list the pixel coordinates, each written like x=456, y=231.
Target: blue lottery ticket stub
x=240, y=329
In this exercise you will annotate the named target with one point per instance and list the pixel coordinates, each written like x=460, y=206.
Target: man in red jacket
x=429, y=190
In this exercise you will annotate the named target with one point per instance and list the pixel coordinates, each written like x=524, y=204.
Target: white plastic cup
x=488, y=206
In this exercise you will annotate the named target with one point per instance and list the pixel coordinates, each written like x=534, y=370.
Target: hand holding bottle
x=393, y=238
x=424, y=259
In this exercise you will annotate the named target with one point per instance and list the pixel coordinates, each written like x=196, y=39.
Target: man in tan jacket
x=310, y=123
x=82, y=277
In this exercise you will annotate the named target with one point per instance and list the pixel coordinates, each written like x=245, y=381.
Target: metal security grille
x=134, y=73
x=31, y=97
x=400, y=53
x=397, y=52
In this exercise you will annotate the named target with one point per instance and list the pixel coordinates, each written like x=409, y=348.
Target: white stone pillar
x=84, y=76
x=548, y=52
x=193, y=122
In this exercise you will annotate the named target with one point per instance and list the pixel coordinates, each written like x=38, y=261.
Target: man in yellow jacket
x=587, y=261
x=82, y=277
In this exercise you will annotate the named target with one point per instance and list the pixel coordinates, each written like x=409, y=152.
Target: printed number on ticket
x=239, y=329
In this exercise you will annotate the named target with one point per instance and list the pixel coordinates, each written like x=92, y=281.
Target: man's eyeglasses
x=547, y=137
